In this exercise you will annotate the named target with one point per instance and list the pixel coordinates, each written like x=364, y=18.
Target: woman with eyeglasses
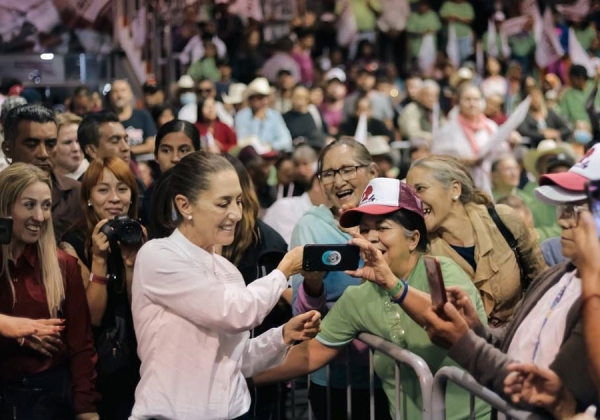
x=547, y=328
x=391, y=304
x=461, y=227
x=344, y=169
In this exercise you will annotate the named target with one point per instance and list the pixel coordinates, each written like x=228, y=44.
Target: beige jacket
x=497, y=277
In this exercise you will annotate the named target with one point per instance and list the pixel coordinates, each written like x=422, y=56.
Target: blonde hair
x=447, y=170
x=67, y=118
x=13, y=181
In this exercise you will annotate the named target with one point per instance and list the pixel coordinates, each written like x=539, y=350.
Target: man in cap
x=260, y=120
x=536, y=163
x=153, y=94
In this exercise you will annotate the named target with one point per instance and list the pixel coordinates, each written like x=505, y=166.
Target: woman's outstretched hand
x=302, y=327
x=376, y=268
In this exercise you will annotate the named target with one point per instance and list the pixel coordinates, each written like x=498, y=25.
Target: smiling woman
x=188, y=299
x=460, y=227
x=39, y=374
x=108, y=190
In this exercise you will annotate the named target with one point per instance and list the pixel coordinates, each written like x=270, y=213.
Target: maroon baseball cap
x=383, y=196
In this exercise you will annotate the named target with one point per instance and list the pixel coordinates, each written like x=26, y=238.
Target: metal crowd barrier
x=468, y=383
x=433, y=389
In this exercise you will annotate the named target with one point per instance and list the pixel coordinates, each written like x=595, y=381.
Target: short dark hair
x=578, y=71
x=178, y=126
x=88, y=131
x=34, y=113
x=411, y=221
x=82, y=90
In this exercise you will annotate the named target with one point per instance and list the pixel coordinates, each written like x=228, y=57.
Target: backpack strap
x=512, y=243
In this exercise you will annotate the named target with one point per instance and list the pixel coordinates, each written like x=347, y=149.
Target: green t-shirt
x=462, y=10
x=544, y=215
x=366, y=20
x=585, y=36
x=368, y=308
x=572, y=104
x=522, y=45
x=417, y=25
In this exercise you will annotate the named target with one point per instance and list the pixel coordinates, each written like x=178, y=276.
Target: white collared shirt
x=285, y=213
x=551, y=333
x=192, y=312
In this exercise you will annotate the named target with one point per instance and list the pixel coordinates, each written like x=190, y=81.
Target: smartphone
x=435, y=278
x=592, y=189
x=330, y=257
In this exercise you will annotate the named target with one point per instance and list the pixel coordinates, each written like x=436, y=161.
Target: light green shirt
x=417, y=25
x=366, y=20
x=585, y=36
x=544, y=215
x=368, y=308
x=521, y=45
x=572, y=104
x=462, y=10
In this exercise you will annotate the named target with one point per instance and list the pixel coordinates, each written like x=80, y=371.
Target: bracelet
x=404, y=292
x=586, y=299
x=98, y=279
x=394, y=290
x=21, y=341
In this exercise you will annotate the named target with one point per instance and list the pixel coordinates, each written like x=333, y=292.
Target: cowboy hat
x=235, y=94
x=259, y=86
x=544, y=148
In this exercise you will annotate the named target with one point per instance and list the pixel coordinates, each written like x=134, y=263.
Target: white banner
x=548, y=49
x=576, y=12
x=361, y=133
x=44, y=16
x=579, y=56
x=452, y=47
x=89, y=9
x=427, y=55
x=505, y=130
x=514, y=25
x=492, y=45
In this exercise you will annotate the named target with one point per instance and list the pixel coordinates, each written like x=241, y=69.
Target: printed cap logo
x=368, y=195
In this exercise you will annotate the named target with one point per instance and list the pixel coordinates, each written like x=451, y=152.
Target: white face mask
x=187, y=98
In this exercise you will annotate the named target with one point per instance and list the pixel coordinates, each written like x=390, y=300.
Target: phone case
x=330, y=257
x=592, y=189
x=435, y=278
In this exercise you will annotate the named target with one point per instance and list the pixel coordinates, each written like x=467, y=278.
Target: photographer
x=106, y=244
x=49, y=375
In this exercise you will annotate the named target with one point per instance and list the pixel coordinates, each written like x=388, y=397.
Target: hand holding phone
x=592, y=188
x=330, y=257
x=437, y=289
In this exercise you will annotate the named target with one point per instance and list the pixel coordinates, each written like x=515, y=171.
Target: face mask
x=582, y=136
x=187, y=98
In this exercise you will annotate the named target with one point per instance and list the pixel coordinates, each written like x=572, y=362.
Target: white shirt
x=285, y=213
x=194, y=49
x=192, y=312
x=551, y=335
x=189, y=113
x=78, y=173
x=394, y=15
x=451, y=140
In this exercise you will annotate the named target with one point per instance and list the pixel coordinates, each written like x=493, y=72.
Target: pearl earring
x=190, y=217
x=455, y=198
x=89, y=204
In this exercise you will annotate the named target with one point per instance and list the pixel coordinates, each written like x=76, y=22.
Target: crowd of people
x=152, y=246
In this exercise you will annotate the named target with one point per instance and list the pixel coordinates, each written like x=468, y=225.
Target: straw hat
x=186, y=82
x=545, y=147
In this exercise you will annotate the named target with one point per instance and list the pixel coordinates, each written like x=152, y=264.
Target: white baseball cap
x=568, y=187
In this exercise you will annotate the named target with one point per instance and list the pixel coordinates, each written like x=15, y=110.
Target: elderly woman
x=51, y=376
x=547, y=328
x=543, y=123
x=461, y=228
x=344, y=169
x=420, y=118
x=173, y=275
x=391, y=304
x=468, y=136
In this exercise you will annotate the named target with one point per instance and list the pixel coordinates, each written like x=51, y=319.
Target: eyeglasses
x=204, y=90
x=569, y=211
x=346, y=172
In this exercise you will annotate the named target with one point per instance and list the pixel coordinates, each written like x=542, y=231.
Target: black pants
x=317, y=396
x=43, y=396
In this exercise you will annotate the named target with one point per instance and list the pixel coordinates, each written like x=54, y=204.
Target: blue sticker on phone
x=331, y=258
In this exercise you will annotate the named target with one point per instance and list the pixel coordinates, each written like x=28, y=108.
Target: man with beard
x=30, y=136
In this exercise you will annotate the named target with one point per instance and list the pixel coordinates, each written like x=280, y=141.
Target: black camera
x=123, y=230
